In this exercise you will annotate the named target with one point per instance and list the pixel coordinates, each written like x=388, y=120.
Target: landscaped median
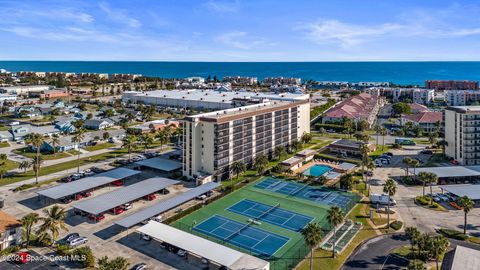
x=427, y=202
x=458, y=235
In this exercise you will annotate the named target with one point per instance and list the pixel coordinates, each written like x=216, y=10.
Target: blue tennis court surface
x=271, y=214
x=317, y=194
x=242, y=235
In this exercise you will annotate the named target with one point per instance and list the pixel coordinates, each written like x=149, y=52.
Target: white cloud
x=119, y=16
x=223, y=6
x=241, y=40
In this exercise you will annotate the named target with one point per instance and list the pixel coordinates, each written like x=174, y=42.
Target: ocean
x=404, y=73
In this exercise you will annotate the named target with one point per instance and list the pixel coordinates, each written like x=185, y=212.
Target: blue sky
x=249, y=30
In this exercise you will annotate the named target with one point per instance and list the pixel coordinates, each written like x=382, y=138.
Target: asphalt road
x=375, y=254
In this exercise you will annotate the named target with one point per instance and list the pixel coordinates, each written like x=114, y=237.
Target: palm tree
x=407, y=161
x=334, y=217
x=24, y=165
x=53, y=222
x=370, y=167
x=238, y=167
x=312, y=234
x=162, y=138
x=118, y=263
x=416, y=265
x=145, y=140
x=129, y=143
x=427, y=177
x=390, y=189
x=3, y=158
x=77, y=138
x=412, y=234
x=295, y=145
x=364, y=152
x=467, y=205
x=260, y=163
x=346, y=181
x=414, y=164
x=377, y=133
x=279, y=151
x=443, y=144
x=383, y=132
x=36, y=140
x=55, y=142
x=438, y=246
x=28, y=222
x=306, y=137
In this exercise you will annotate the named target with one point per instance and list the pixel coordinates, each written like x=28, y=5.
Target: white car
x=146, y=237
x=127, y=206
x=181, y=253
x=78, y=241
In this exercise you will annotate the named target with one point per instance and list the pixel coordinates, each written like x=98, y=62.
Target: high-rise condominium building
x=462, y=134
x=213, y=141
x=451, y=85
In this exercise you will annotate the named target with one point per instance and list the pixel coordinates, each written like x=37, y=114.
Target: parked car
x=66, y=200
x=97, y=218
x=117, y=183
x=69, y=237
x=20, y=258
x=96, y=170
x=78, y=241
x=86, y=194
x=117, y=211
x=127, y=206
x=181, y=253
x=80, y=212
x=146, y=237
x=427, y=152
x=76, y=176
x=66, y=179
x=150, y=197
x=78, y=197
x=139, y=266
x=389, y=154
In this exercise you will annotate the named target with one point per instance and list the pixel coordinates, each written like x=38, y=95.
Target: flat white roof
x=159, y=163
x=469, y=190
x=230, y=258
x=165, y=205
x=465, y=259
x=87, y=183
x=451, y=171
x=124, y=195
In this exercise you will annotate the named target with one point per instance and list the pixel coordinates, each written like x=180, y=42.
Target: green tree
x=53, y=222
x=443, y=144
x=390, y=188
x=35, y=140
x=238, y=167
x=346, y=181
x=145, y=140
x=467, y=205
x=105, y=136
x=24, y=165
x=77, y=139
x=363, y=125
x=87, y=253
x=55, y=141
x=295, y=145
x=118, y=263
x=129, y=143
x=260, y=163
x=312, y=234
x=414, y=164
x=427, y=178
x=306, y=138
x=407, y=161
x=437, y=247
x=335, y=218
x=401, y=108
x=279, y=151
x=416, y=265
x=3, y=158
x=162, y=137
x=383, y=132
x=412, y=235
x=28, y=222
x=377, y=133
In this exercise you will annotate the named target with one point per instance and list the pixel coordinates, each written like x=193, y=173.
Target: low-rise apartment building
x=416, y=95
x=427, y=121
x=461, y=97
x=282, y=81
x=213, y=141
x=462, y=134
x=10, y=231
x=239, y=80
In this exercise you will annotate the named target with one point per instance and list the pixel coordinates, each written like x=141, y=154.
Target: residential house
x=97, y=124
x=152, y=125
x=20, y=131
x=428, y=121
x=65, y=125
x=10, y=231
x=27, y=111
x=348, y=147
x=66, y=144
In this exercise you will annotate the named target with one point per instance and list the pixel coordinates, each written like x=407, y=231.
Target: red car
x=97, y=217
x=117, y=183
x=78, y=197
x=21, y=258
x=86, y=194
x=117, y=210
x=150, y=197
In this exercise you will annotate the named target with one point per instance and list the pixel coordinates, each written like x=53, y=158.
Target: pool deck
x=335, y=167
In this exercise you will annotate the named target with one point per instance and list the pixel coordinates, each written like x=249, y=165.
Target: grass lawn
x=9, y=165
x=404, y=251
x=4, y=128
x=291, y=249
x=323, y=259
x=99, y=146
x=380, y=151
x=421, y=141
x=321, y=143
x=333, y=135
x=46, y=156
x=4, y=144
x=73, y=152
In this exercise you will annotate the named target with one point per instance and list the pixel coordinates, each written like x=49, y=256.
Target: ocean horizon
x=398, y=72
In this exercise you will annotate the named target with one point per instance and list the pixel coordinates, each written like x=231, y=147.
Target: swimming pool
x=317, y=170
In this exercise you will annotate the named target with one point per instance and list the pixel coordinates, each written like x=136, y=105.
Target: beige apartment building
x=462, y=134
x=213, y=141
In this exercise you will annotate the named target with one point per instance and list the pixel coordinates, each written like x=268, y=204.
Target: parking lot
x=104, y=237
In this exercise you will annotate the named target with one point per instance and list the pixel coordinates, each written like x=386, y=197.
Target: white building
x=461, y=97
x=21, y=90
x=7, y=97
x=10, y=231
x=417, y=95
x=213, y=141
x=462, y=134
x=205, y=99
x=282, y=81
x=239, y=80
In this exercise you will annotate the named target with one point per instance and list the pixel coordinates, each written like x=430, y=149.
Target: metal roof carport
x=159, y=163
x=87, y=183
x=471, y=191
x=124, y=195
x=449, y=171
x=216, y=253
x=165, y=205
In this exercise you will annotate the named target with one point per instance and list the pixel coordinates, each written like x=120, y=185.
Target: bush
x=336, y=128
x=23, y=187
x=423, y=200
x=453, y=234
x=10, y=250
x=63, y=250
x=85, y=256
x=396, y=225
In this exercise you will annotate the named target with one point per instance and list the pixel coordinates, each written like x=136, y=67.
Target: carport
x=471, y=191
x=124, y=195
x=165, y=205
x=203, y=248
x=452, y=174
x=85, y=184
x=162, y=164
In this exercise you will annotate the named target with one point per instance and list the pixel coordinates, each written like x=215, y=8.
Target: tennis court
x=272, y=214
x=243, y=235
x=317, y=194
